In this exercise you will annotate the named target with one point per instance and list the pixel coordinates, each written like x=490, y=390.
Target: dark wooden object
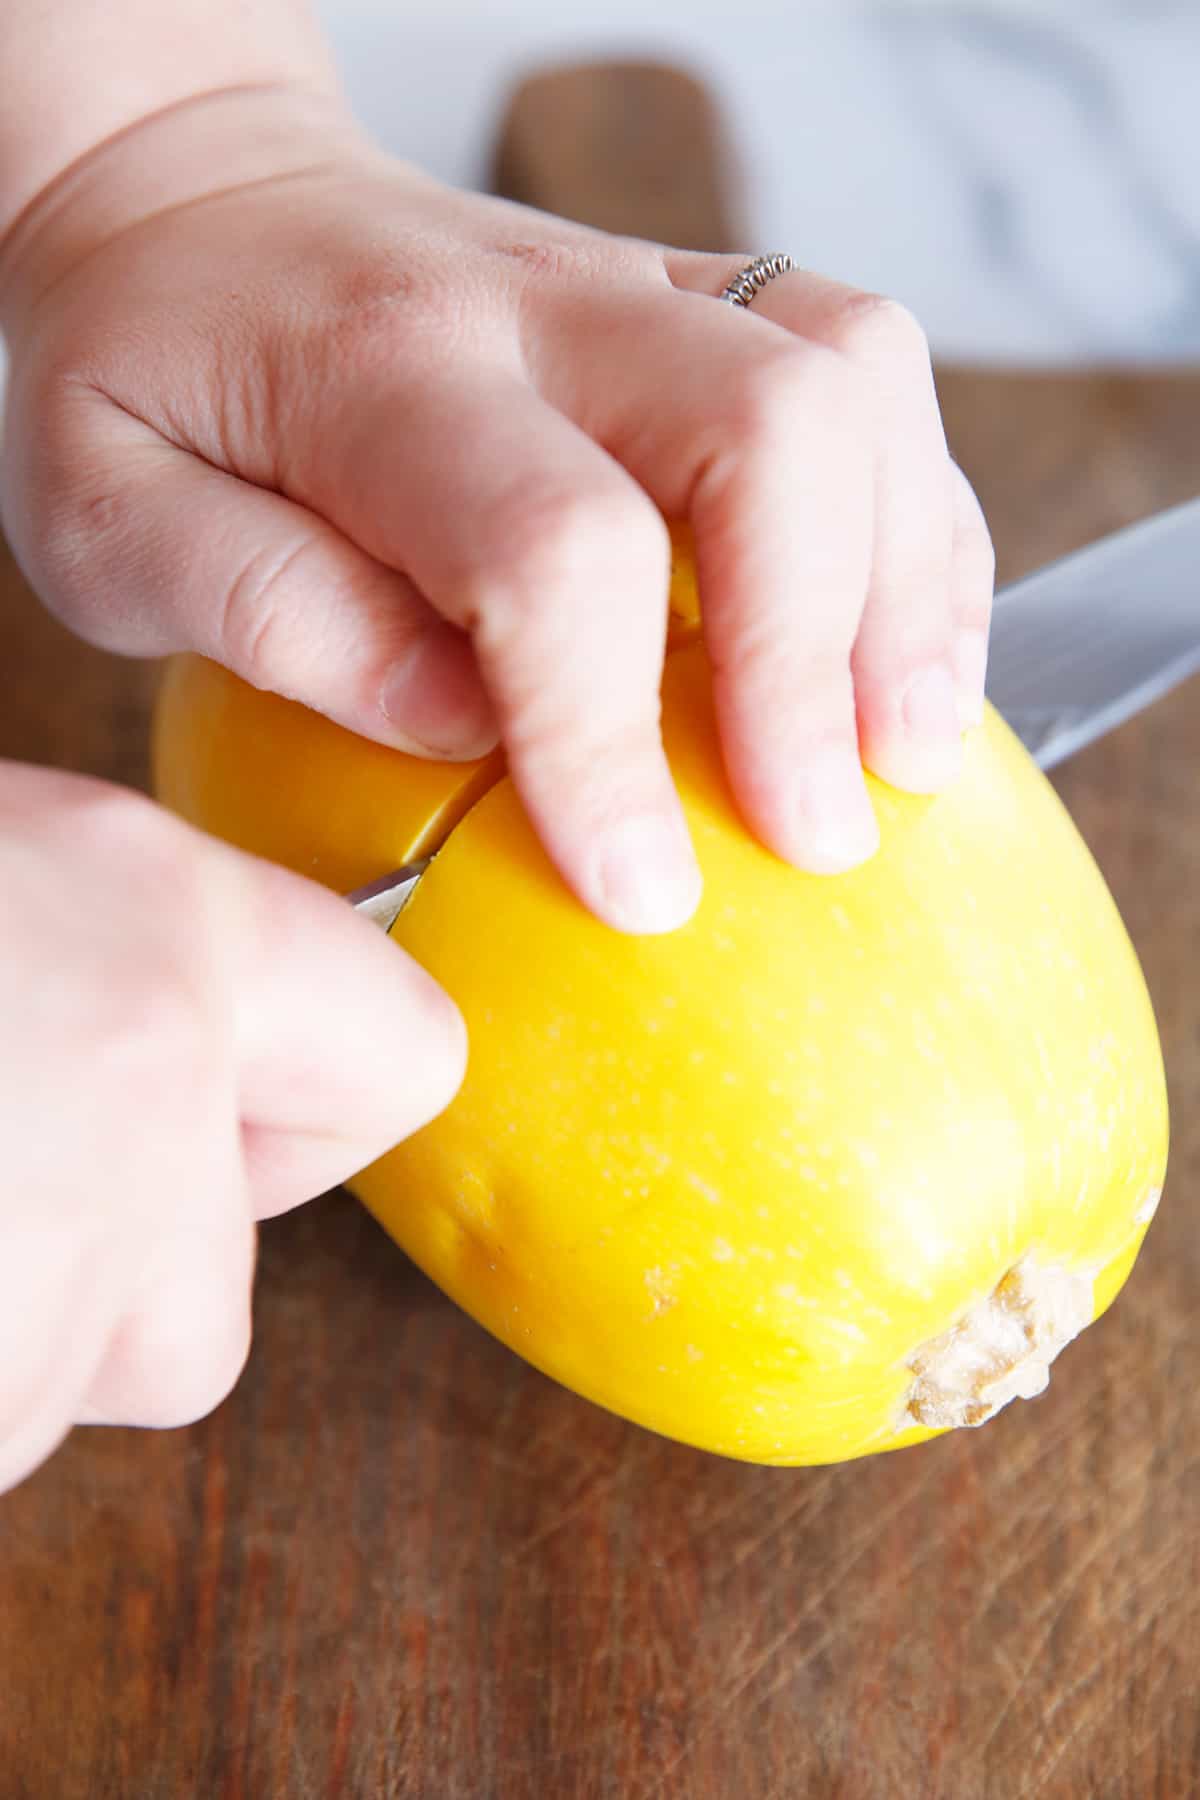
x=634, y=147
x=398, y=1563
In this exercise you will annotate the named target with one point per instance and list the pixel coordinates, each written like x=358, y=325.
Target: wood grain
x=399, y=1563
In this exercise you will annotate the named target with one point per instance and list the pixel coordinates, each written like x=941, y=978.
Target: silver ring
x=748, y=281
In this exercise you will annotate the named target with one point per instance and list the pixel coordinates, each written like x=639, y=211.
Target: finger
x=339, y=1045
x=181, y=1226
x=761, y=438
x=343, y=1044
x=194, y=558
x=116, y=1211
x=972, y=581
x=557, y=567
x=295, y=1014
x=906, y=679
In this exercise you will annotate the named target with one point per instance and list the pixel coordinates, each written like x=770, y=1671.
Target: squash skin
x=728, y=1182
x=285, y=783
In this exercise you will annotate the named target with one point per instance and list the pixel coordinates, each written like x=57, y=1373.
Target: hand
x=403, y=453
x=189, y=1040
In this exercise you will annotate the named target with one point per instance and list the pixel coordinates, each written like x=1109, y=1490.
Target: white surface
x=1023, y=175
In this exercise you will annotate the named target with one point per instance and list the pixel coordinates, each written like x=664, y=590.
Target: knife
x=1082, y=645
x=1077, y=648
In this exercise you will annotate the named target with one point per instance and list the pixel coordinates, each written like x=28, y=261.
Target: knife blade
x=1077, y=648
x=382, y=899
x=1083, y=644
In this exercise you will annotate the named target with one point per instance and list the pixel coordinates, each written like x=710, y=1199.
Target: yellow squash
x=843, y=1163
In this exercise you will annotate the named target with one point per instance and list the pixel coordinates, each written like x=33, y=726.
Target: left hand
x=403, y=453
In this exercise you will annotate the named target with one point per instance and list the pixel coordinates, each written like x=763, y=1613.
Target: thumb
x=143, y=548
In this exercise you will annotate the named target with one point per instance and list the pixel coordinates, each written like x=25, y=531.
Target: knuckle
x=577, y=763
x=873, y=328
x=259, y=613
x=73, y=509
x=77, y=527
x=553, y=543
x=911, y=557
x=138, y=843
x=582, y=257
x=584, y=783
x=907, y=621
x=117, y=828
x=750, y=656
x=370, y=307
x=180, y=1358
x=772, y=682
x=798, y=383
x=550, y=259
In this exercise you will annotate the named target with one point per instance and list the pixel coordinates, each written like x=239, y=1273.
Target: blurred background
x=1023, y=175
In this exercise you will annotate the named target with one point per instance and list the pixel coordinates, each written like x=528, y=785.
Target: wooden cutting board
x=400, y=1563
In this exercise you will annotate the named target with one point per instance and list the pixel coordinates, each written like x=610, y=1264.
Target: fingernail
x=435, y=698
x=649, y=878
x=834, y=822
x=970, y=674
x=926, y=754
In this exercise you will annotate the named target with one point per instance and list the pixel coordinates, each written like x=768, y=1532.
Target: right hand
x=190, y=1040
